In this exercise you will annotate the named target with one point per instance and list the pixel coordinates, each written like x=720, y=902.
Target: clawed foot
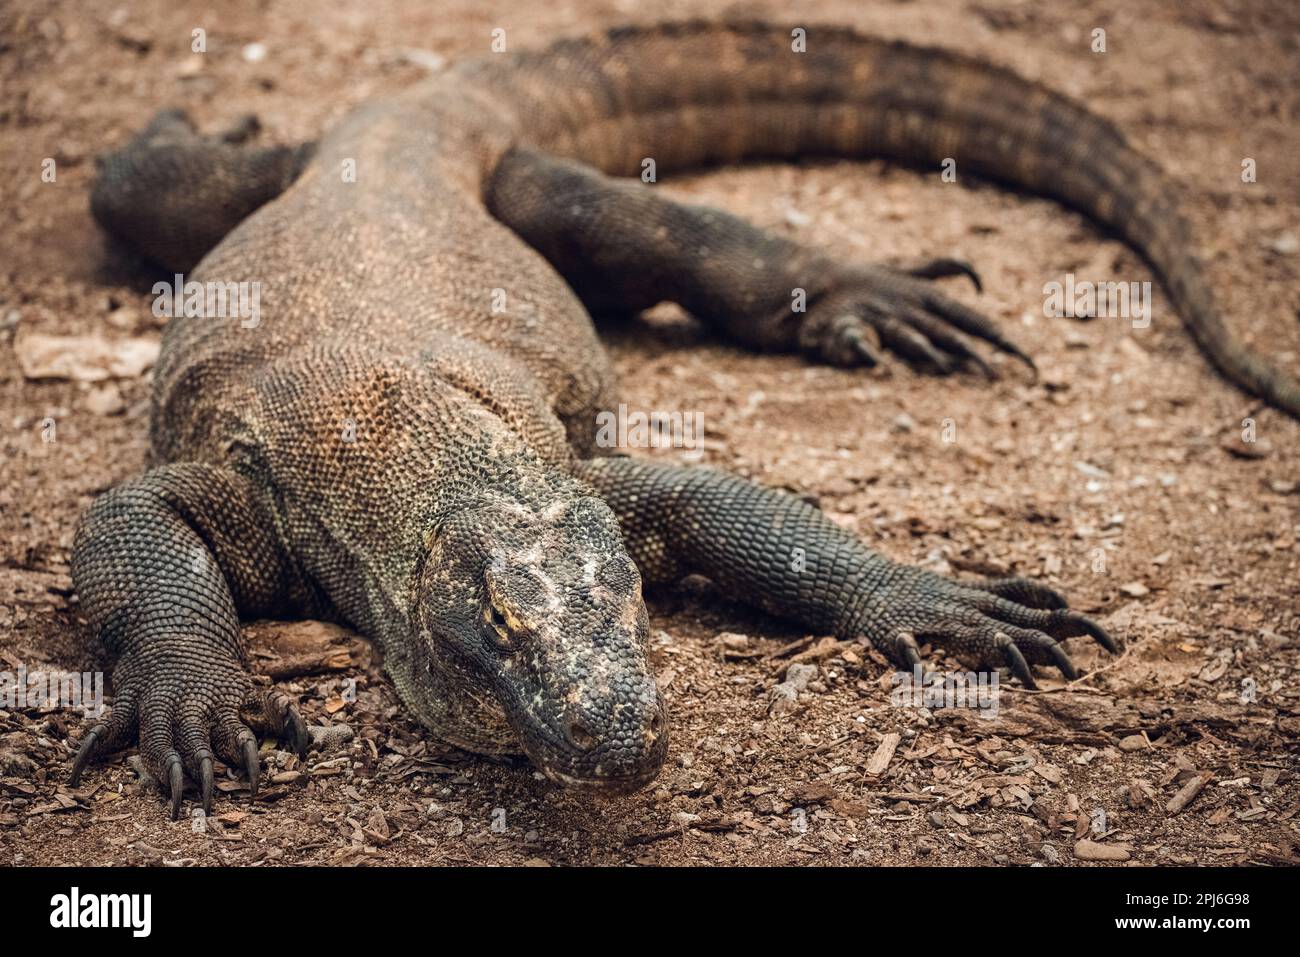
x=1007, y=622
x=873, y=308
x=183, y=720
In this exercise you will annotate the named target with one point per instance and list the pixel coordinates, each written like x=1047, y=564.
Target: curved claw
x=85, y=753
x=1100, y=635
x=943, y=267
x=298, y=735
x=1062, y=661
x=902, y=339
x=176, y=784
x=948, y=341
x=1017, y=353
x=907, y=649
x=1016, y=661
x=862, y=348
x=976, y=324
x=1072, y=623
x=205, y=782
x=251, y=765
x=984, y=369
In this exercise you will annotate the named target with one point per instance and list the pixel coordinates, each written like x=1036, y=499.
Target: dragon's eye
x=499, y=629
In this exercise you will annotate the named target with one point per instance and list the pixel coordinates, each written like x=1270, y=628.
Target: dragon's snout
x=611, y=743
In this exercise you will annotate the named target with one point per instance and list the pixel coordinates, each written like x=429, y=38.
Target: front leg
x=164, y=565
x=620, y=245
x=785, y=556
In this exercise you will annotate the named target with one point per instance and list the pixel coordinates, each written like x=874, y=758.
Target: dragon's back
x=381, y=255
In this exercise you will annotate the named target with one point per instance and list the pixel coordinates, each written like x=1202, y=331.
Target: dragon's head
x=539, y=607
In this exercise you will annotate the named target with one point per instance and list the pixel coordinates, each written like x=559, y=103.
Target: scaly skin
x=388, y=449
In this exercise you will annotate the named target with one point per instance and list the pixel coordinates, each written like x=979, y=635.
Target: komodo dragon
x=391, y=448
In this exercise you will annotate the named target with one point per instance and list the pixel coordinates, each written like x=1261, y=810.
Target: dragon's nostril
x=581, y=737
x=656, y=723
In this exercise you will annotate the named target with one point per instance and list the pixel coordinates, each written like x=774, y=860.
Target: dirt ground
x=1112, y=477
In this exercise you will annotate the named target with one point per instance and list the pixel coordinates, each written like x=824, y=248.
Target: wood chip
x=1188, y=793
x=884, y=754
x=1086, y=850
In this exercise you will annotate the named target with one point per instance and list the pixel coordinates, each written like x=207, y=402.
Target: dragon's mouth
x=621, y=760
x=599, y=786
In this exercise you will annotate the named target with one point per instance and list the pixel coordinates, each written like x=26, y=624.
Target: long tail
x=695, y=93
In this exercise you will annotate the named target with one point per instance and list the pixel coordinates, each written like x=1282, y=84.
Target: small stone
x=1286, y=244
x=1134, y=351
x=254, y=52
x=797, y=218
x=191, y=66
x=330, y=736
x=1234, y=445
x=123, y=318
x=1132, y=742
x=731, y=641
x=799, y=675
x=104, y=400
x=784, y=698
x=1134, y=589
x=425, y=59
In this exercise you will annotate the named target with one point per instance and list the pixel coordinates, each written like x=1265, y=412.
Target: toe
x=946, y=340
x=904, y=652
x=1011, y=655
x=175, y=778
x=280, y=716
x=973, y=323
x=196, y=754
x=236, y=745
x=105, y=736
x=1041, y=648
x=1024, y=591
x=908, y=343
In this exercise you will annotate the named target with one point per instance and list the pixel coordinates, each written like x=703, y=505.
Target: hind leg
x=173, y=193
x=619, y=244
